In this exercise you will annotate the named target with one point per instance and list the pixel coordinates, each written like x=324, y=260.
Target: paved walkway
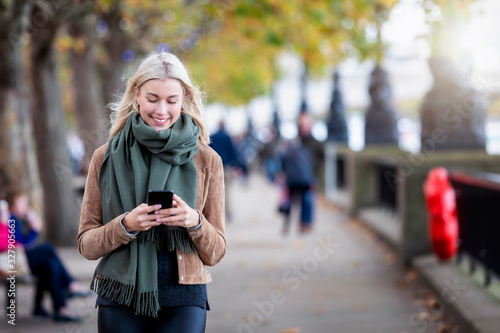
x=339, y=279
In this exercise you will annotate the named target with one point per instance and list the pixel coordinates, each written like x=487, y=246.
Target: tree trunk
x=276, y=124
x=18, y=169
x=88, y=103
x=61, y=209
x=112, y=71
x=304, y=108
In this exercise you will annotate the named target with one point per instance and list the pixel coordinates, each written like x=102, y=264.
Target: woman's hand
x=139, y=219
x=34, y=221
x=180, y=214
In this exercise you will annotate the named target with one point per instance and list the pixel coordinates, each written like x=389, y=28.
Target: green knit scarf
x=139, y=159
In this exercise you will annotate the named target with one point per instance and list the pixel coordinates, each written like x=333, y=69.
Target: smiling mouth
x=159, y=121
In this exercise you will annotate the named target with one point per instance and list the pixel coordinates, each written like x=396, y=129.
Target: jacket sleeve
x=210, y=240
x=24, y=238
x=95, y=239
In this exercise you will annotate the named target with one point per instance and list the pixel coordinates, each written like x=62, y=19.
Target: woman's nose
x=163, y=107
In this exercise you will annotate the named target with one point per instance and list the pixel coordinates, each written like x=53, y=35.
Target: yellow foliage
x=235, y=56
x=80, y=45
x=64, y=43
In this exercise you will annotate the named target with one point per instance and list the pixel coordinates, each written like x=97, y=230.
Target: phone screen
x=165, y=198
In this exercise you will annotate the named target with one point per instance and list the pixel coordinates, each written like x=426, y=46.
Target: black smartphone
x=165, y=198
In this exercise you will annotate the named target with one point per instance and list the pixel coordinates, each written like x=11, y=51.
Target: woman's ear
x=136, y=90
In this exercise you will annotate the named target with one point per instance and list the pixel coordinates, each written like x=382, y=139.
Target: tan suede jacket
x=95, y=239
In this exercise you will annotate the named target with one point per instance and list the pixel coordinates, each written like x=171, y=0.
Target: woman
x=43, y=260
x=154, y=279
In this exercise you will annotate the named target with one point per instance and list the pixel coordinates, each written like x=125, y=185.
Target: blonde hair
x=161, y=66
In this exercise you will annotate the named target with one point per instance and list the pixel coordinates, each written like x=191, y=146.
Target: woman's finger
x=178, y=200
x=152, y=208
x=171, y=211
x=149, y=224
x=174, y=218
x=182, y=223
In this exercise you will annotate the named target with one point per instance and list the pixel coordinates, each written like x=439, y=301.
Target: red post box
x=442, y=213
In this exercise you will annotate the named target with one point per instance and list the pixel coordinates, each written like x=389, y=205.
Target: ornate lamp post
x=381, y=118
x=337, y=125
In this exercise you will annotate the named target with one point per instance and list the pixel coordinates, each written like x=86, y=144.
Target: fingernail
x=156, y=212
x=157, y=220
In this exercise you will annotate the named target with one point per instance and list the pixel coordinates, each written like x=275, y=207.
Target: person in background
x=315, y=147
x=43, y=261
x=297, y=174
x=269, y=155
x=222, y=143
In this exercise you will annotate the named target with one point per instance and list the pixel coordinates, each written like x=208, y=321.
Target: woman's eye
x=151, y=100
x=172, y=102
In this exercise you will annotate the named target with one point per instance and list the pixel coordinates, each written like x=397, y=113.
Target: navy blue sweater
x=170, y=292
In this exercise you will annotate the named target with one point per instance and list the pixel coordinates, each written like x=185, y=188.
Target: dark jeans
x=305, y=196
x=181, y=319
x=52, y=275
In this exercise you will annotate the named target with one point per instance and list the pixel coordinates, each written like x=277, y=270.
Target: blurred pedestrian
x=222, y=143
x=152, y=275
x=44, y=263
x=297, y=174
x=315, y=147
x=247, y=149
x=268, y=155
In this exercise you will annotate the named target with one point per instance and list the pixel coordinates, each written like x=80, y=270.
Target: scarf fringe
x=146, y=303
x=171, y=238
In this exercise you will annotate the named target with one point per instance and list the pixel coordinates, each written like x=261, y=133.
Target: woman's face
x=160, y=102
x=21, y=205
